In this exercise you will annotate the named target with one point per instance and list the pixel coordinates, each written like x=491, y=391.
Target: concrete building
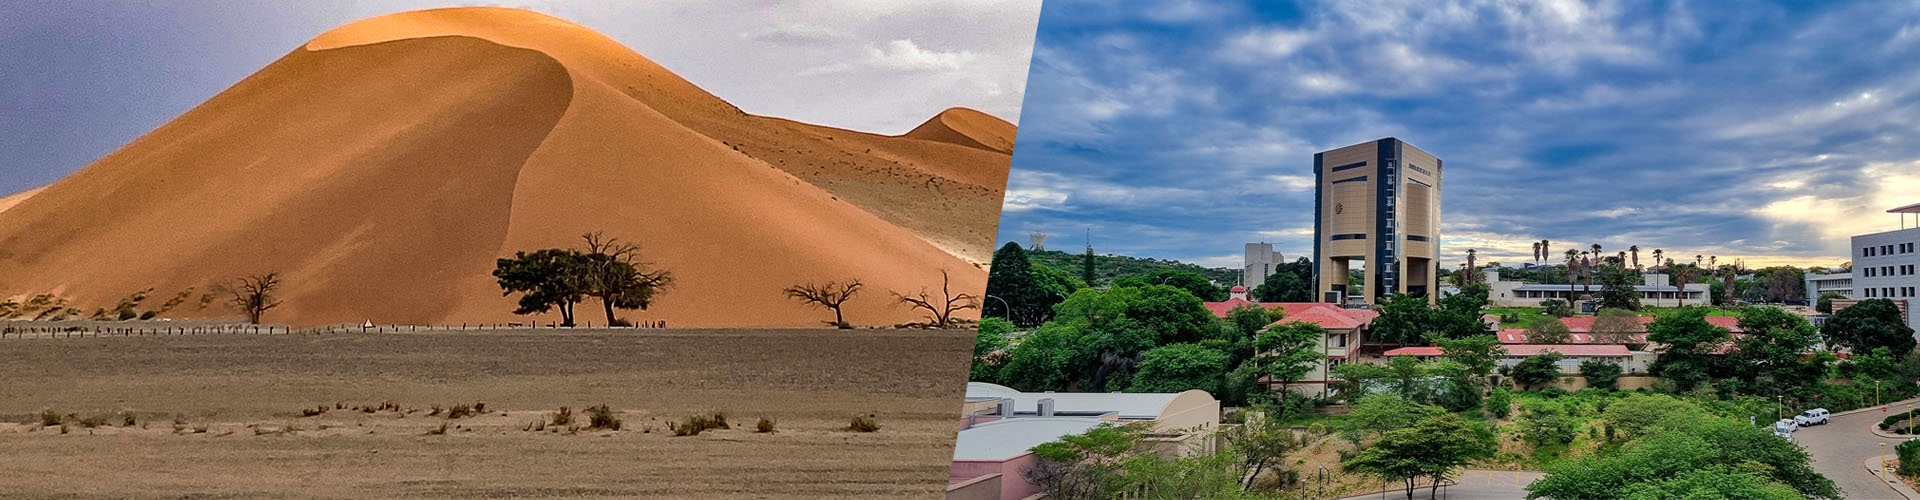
x=1000, y=426
x=1259, y=263
x=1840, y=283
x=1377, y=202
x=1655, y=290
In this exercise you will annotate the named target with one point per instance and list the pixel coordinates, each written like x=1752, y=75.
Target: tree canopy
x=1870, y=324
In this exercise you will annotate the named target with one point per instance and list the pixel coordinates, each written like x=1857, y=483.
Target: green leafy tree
x=1289, y=282
x=1409, y=378
x=1621, y=291
x=1548, y=330
x=1433, y=447
x=989, y=346
x=1357, y=380
x=1242, y=325
x=1043, y=359
x=1769, y=355
x=1177, y=316
x=1288, y=351
x=1180, y=367
x=1825, y=304
x=1537, y=369
x=1057, y=284
x=1499, y=403
x=1640, y=415
x=1480, y=353
x=1087, y=267
x=1403, y=319
x=1601, y=375
x=1546, y=423
x=1263, y=442
x=611, y=270
x=1662, y=463
x=1192, y=282
x=1869, y=324
x=545, y=279
x=1015, y=293
x=1377, y=414
x=1688, y=360
x=1557, y=308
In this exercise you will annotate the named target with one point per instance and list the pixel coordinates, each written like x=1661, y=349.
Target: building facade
x=1259, y=264
x=1819, y=284
x=1886, y=265
x=1376, y=202
x=1655, y=289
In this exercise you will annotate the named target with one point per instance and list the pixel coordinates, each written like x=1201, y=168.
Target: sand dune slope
x=382, y=167
x=9, y=201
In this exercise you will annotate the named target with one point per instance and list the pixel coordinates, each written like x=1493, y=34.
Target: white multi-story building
x=1840, y=283
x=1260, y=262
x=1886, y=265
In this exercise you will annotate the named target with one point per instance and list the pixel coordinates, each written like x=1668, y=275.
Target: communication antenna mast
x=1039, y=241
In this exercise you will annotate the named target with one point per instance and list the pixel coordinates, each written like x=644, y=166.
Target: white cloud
x=1265, y=44
x=1024, y=199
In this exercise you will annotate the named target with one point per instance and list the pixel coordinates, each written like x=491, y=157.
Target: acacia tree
x=253, y=295
x=1433, y=447
x=1286, y=352
x=546, y=279
x=940, y=308
x=610, y=271
x=830, y=295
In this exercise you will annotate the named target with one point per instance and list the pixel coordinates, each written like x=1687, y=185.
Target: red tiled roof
x=1526, y=350
x=1584, y=324
x=1327, y=315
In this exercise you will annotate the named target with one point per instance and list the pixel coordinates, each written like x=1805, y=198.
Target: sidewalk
x=1872, y=464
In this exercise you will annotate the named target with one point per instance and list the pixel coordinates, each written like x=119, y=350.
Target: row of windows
x=1890, y=292
x=1906, y=270
x=1898, y=248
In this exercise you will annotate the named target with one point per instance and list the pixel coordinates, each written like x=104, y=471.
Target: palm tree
x=1635, y=250
x=1536, y=252
x=1596, y=250
x=1713, y=262
x=1586, y=269
x=1656, y=256
x=1697, y=258
x=1546, y=250
x=1573, y=263
x=1470, y=268
x=1682, y=274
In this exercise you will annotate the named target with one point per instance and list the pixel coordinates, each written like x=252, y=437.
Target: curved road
x=1839, y=447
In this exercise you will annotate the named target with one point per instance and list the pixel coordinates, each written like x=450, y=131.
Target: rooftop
x=1525, y=350
x=1129, y=405
x=1327, y=315
x=1004, y=439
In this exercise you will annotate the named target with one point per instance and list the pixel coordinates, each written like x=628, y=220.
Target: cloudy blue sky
x=1184, y=129
x=79, y=79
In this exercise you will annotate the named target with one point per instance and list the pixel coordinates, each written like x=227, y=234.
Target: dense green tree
x=1013, y=291
x=1377, y=414
x=1356, y=380
x=1537, y=369
x=1769, y=355
x=1479, y=353
x=1043, y=359
x=1825, y=304
x=1639, y=415
x=1177, y=316
x=1087, y=267
x=1661, y=464
x=1289, y=282
x=1403, y=319
x=1288, y=351
x=1601, y=375
x=1548, y=330
x=1869, y=324
x=1057, y=283
x=1546, y=423
x=1242, y=324
x=1691, y=340
x=1180, y=367
x=1454, y=386
x=1621, y=291
x=1499, y=404
x=546, y=279
x=1108, y=353
x=1434, y=447
x=988, y=346
x=1192, y=282
x=1557, y=308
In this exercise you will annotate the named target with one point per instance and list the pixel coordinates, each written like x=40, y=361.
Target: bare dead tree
x=830, y=295
x=253, y=295
x=942, y=307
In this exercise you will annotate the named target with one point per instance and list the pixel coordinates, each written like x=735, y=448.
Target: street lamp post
x=1003, y=305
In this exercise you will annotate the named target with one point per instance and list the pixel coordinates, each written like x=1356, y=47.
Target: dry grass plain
x=247, y=393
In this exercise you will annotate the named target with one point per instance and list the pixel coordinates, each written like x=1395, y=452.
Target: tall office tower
x=1260, y=262
x=1376, y=202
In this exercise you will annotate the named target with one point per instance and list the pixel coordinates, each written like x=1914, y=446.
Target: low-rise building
x=1000, y=426
x=1656, y=289
x=1344, y=328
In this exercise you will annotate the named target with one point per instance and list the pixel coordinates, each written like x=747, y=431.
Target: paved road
x=1837, y=449
x=1473, y=485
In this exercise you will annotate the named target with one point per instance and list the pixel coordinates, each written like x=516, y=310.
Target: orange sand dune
x=9, y=201
x=382, y=167
x=967, y=127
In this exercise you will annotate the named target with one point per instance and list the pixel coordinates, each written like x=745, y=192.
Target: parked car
x=1784, y=429
x=1816, y=416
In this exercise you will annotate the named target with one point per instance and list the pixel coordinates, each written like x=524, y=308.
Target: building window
x=1337, y=340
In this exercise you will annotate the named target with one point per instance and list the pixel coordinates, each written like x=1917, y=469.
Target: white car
x=1816, y=416
x=1784, y=428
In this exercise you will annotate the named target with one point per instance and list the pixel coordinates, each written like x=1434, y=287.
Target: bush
x=696, y=424
x=765, y=425
x=461, y=410
x=563, y=417
x=1500, y=403
x=1600, y=374
x=49, y=418
x=602, y=417
x=863, y=423
x=1909, y=452
x=1552, y=392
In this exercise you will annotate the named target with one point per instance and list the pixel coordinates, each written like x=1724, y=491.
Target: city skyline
x=1761, y=132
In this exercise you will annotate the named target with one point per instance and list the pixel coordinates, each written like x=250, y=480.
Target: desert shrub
x=434, y=411
x=49, y=418
x=480, y=407
x=863, y=423
x=442, y=429
x=127, y=419
x=696, y=424
x=308, y=412
x=93, y=421
x=765, y=425
x=602, y=417
x=461, y=410
x=562, y=417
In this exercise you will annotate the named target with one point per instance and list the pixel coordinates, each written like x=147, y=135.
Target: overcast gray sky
x=82, y=78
